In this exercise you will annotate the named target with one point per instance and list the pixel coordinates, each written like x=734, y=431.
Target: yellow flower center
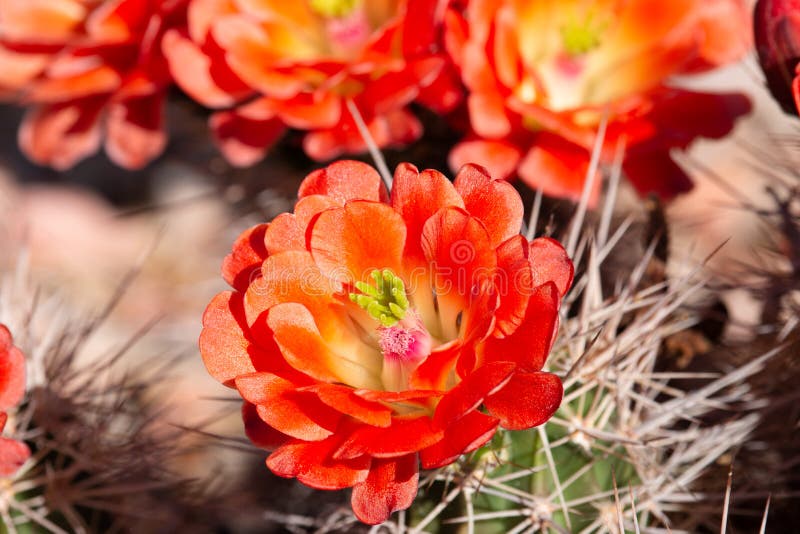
x=334, y=8
x=581, y=35
x=403, y=340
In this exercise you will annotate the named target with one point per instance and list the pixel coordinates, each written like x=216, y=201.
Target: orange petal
x=417, y=196
x=344, y=181
x=260, y=433
x=345, y=400
x=243, y=264
x=284, y=233
x=314, y=466
x=499, y=157
x=528, y=400
x=305, y=349
x=349, y=243
x=390, y=486
x=192, y=71
x=226, y=351
x=494, y=202
x=278, y=402
x=458, y=249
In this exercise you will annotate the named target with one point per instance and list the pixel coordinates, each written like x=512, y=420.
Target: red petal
x=60, y=135
x=135, y=132
x=465, y=436
x=434, y=371
x=295, y=413
x=345, y=400
x=260, y=433
x=192, y=70
x=390, y=486
x=529, y=345
x=243, y=264
x=12, y=371
x=349, y=243
x=417, y=196
x=655, y=172
x=344, y=181
x=528, y=400
x=460, y=253
x=470, y=392
x=499, y=157
x=513, y=284
x=494, y=202
x=242, y=140
x=12, y=455
x=314, y=466
x=558, y=168
x=549, y=262
x=403, y=437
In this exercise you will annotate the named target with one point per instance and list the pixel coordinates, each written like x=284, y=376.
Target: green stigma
x=334, y=8
x=580, y=36
x=385, y=300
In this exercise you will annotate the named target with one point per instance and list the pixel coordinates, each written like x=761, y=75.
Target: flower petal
x=314, y=466
x=243, y=264
x=528, y=345
x=404, y=436
x=12, y=455
x=549, y=262
x=500, y=158
x=349, y=243
x=12, y=371
x=469, y=433
x=416, y=196
x=494, y=202
x=304, y=348
x=470, y=392
x=345, y=400
x=528, y=400
x=260, y=433
x=344, y=181
x=295, y=413
x=391, y=485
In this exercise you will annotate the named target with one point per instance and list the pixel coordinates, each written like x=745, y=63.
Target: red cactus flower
x=92, y=72
x=277, y=64
x=541, y=75
x=777, y=34
x=12, y=386
x=365, y=333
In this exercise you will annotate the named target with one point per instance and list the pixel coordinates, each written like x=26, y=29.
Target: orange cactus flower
x=12, y=386
x=92, y=72
x=541, y=75
x=777, y=34
x=275, y=64
x=369, y=335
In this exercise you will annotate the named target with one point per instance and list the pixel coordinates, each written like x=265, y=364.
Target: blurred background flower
x=543, y=76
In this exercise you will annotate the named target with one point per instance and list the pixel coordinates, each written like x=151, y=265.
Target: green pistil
x=580, y=36
x=386, y=300
x=334, y=8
